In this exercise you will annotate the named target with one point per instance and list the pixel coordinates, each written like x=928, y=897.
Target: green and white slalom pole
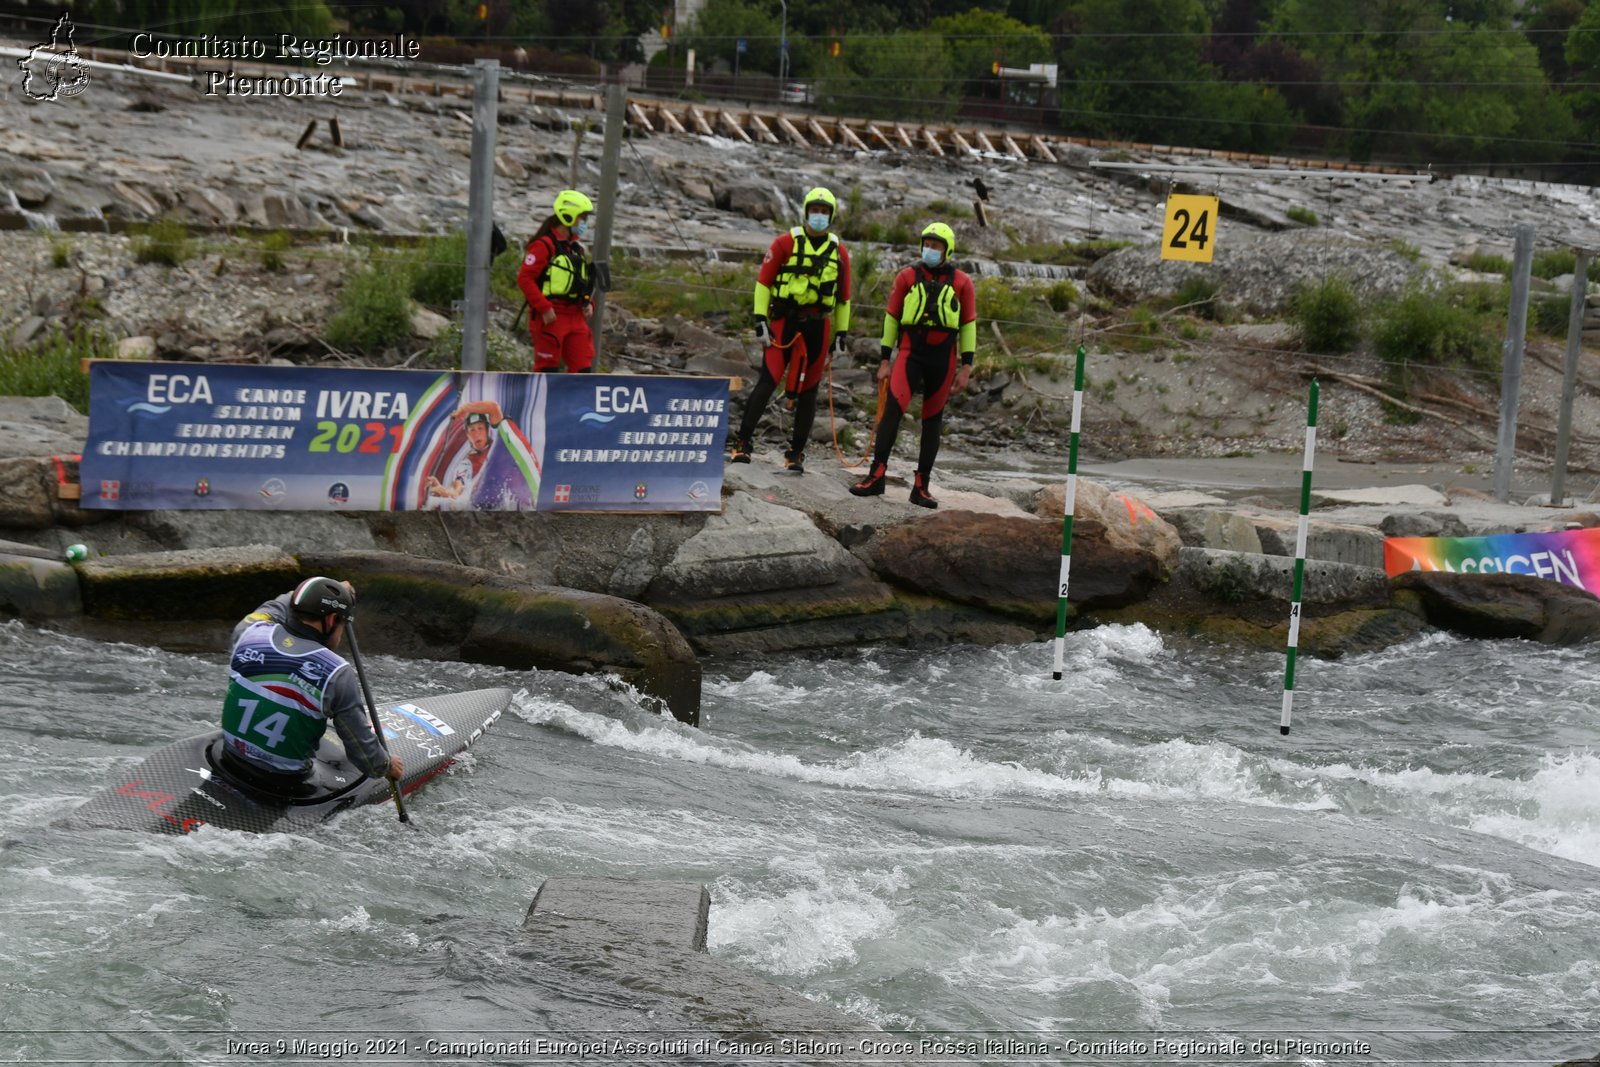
x=1299, y=562
x=1070, y=505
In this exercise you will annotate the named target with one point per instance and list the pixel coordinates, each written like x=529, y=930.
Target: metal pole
x=783, y=48
x=480, y=214
x=1569, y=383
x=1291, y=651
x=1069, y=506
x=1511, y=375
x=610, y=159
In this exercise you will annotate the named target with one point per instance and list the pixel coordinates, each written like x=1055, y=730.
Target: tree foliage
x=717, y=29
x=1131, y=68
x=1435, y=81
x=902, y=75
x=1426, y=80
x=978, y=39
x=194, y=18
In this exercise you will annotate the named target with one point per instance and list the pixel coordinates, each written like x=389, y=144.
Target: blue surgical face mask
x=932, y=257
x=817, y=221
x=582, y=229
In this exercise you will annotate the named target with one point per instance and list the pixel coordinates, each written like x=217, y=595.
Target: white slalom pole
x=1070, y=505
x=1292, y=651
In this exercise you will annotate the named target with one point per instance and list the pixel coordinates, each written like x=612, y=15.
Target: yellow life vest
x=568, y=276
x=931, y=304
x=811, y=275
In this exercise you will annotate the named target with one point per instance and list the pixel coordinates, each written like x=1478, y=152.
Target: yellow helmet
x=943, y=233
x=819, y=195
x=570, y=205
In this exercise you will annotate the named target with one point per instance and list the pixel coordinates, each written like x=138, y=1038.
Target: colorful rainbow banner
x=1571, y=557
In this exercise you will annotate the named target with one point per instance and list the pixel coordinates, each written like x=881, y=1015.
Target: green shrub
x=1062, y=253
x=165, y=242
x=273, y=246
x=1061, y=295
x=60, y=253
x=943, y=210
x=1405, y=248
x=1303, y=215
x=1554, y=262
x=504, y=270
x=1433, y=327
x=373, y=310
x=54, y=366
x=1484, y=263
x=1484, y=299
x=1328, y=315
x=1198, y=294
x=439, y=271
x=658, y=288
x=1140, y=331
x=1550, y=312
x=444, y=351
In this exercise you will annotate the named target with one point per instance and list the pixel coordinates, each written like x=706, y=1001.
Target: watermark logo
x=54, y=71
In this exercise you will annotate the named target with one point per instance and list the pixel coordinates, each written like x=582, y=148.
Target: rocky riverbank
x=791, y=563
x=1223, y=379
x=794, y=563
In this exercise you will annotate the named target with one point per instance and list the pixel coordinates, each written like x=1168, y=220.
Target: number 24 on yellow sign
x=1190, y=230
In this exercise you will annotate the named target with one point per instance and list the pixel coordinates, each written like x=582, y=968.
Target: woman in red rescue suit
x=558, y=280
x=802, y=298
x=931, y=316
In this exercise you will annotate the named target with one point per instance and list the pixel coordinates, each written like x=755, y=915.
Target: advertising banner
x=205, y=436
x=1571, y=557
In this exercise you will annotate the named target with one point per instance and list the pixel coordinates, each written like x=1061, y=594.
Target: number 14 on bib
x=1190, y=229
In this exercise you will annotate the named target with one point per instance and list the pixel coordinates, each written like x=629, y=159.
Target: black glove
x=838, y=342
x=763, y=330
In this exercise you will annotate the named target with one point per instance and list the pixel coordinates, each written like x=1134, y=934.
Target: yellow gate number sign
x=1190, y=232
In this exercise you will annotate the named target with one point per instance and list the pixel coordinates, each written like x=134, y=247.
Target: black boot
x=919, y=491
x=741, y=450
x=794, y=461
x=872, y=484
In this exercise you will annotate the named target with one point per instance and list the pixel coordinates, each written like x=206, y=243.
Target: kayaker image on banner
x=210, y=437
x=478, y=458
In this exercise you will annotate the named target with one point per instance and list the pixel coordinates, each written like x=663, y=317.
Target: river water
x=943, y=842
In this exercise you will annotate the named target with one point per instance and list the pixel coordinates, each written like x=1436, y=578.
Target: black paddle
x=372, y=711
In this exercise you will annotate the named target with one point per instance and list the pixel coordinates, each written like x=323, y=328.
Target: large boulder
x=760, y=565
x=1125, y=521
x=40, y=426
x=760, y=202
x=1244, y=598
x=1011, y=564
x=1258, y=273
x=433, y=610
x=1504, y=605
x=1211, y=527
x=27, y=493
x=1335, y=542
x=35, y=588
x=190, y=599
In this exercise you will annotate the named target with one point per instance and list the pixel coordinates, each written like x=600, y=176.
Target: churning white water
x=942, y=842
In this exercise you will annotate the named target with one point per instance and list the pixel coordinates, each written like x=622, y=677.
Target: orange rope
x=883, y=397
x=792, y=385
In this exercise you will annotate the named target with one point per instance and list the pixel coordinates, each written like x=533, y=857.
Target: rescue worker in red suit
x=931, y=318
x=558, y=280
x=802, y=299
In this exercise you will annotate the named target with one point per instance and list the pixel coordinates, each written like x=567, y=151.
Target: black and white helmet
x=320, y=597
